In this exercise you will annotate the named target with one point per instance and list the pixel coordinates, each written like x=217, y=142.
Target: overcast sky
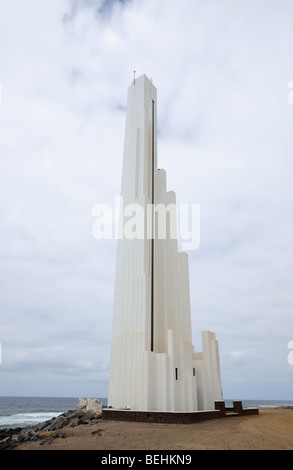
x=221, y=68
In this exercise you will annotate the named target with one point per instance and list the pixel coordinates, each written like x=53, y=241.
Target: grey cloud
x=225, y=140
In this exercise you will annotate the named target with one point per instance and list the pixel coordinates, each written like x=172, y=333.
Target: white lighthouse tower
x=153, y=362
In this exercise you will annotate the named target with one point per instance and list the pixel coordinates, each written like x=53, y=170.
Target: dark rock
x=9, y=438
x=74, y=422
x=45, y=431
x=98, y=431
x=49, y=440
x=21, y=437
x=8, y=432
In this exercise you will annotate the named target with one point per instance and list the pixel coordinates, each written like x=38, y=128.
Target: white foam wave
x=26, y=419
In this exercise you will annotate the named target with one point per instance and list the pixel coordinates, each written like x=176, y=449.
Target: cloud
x=225, y=139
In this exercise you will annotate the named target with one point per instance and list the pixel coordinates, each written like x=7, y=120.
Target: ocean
x=25, y=411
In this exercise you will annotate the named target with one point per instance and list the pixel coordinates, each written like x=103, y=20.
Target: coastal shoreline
x=272, y=429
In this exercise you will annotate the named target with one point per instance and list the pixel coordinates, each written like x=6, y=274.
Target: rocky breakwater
x=88, y=411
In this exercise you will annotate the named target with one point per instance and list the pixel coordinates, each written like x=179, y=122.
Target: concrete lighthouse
x=153, y=363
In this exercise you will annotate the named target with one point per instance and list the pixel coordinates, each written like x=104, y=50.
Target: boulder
x=74, y=422
x=87, y=412
x=45, y=435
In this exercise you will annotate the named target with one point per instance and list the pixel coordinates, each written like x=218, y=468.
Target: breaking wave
x=26, y=419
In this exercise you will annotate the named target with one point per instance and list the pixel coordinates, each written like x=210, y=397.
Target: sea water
x=25, y=411
x=262, y=403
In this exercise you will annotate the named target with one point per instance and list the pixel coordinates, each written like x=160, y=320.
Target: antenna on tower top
x=134, y=77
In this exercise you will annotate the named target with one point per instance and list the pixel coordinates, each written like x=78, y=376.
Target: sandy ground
x=272, y=429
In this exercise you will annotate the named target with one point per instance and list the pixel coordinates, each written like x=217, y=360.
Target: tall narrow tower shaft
x=153, y=363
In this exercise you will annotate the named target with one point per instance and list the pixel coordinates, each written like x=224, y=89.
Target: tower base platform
x=178, y=417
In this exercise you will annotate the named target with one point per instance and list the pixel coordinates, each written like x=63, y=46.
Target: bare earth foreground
x=272, y=429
